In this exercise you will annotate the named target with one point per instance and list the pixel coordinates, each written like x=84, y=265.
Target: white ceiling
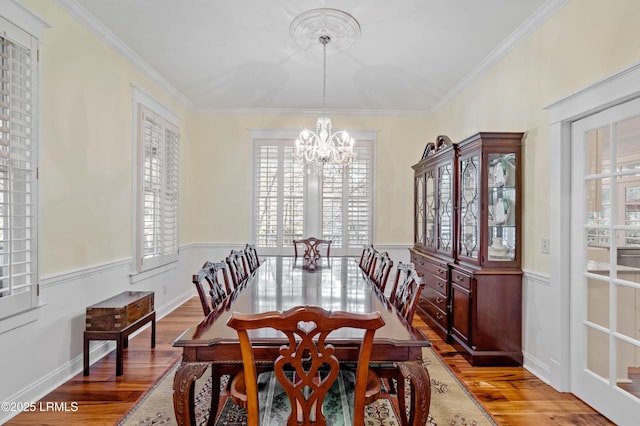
x=237, y=55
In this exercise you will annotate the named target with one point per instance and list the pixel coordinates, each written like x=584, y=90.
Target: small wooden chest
x=120, y=311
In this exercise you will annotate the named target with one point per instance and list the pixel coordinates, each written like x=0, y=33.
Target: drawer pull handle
x=422, y=263
x=438, y=315
x=440, y=284
x=441, y=271
x=439, y=300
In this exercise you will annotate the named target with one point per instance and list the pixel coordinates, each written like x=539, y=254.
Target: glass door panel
x=501, y=206
x=445, y=209
x=470, y=207
x=419, y=208
x=430, y=209
x=605, y=282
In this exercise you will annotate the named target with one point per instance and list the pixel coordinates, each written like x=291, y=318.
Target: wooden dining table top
x=281, y=283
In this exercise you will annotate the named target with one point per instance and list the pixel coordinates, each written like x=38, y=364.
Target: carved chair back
x=380, y=272
x=406, y=290
x=367, y=258
x=237, y=267
x=308, y=354
x=252, y=257
x=312, y=248
x=201, y=280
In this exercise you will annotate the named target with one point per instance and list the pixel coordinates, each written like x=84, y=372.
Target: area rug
x=451, y=403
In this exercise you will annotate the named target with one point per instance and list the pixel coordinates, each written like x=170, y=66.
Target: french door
x=605, y=261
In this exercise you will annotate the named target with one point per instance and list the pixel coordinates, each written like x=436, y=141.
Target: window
x=290, y=204
x=156, y=234
x=18, y=170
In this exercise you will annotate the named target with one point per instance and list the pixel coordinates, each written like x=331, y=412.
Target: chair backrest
x=201, y=280
x=312, y=247
x=367, y=258
x=218, y=281
x=306, y=328
x=252, y=257
x=406, y=290
x=380, y=272
x=237, y=264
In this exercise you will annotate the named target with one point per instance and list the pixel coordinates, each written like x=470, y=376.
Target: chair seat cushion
x=275, y=407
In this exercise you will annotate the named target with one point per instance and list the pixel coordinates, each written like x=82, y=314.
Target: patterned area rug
x=451, y=403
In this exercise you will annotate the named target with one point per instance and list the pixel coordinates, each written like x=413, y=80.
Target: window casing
x=18, y=170
x=290, y=204
x=157, y=190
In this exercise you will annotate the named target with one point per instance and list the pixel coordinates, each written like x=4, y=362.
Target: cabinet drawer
x=461, y=279
x=440, y=270
x=435, y=297
x=436, y=314
x=436, y=283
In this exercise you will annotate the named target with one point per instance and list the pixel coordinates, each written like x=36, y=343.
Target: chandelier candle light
x=315, y=149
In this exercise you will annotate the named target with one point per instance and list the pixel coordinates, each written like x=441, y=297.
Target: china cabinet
x=435, y=227
x=473, y=287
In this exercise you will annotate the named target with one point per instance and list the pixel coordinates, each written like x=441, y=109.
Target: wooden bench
x=115, y=319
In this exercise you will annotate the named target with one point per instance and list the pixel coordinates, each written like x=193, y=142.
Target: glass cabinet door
x=445, y=208
x=501, y=206
x=469, y=244
x=430, y=209
x=419, y=209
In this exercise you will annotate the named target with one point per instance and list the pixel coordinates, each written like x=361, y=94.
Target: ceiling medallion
x=309, y=26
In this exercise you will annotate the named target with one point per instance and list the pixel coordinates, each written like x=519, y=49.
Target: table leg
x=215, y=393
x=183, y=389
x=86, y=355
x=153, y=329
x=420, y=390
x=120, y=341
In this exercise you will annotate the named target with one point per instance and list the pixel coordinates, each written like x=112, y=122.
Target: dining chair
x=406, y=290
x=405, y=295
x=307, y=369
x=201, y=280
x=379, y=274
x=312, y=248
x=217, y=280
x=236, y=263
x=252, y=257
x=367, y=258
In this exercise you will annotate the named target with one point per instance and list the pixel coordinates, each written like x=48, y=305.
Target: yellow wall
x=218, y=188
x=86, y=145
x=585, y=41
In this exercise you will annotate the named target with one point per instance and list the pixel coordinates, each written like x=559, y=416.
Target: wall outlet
x=544, y=247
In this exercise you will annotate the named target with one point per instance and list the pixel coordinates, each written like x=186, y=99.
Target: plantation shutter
x=279, y=196
x=18, y=171
x=346, y=202
x=359, y=199
x=159, y=220
x=338, y=204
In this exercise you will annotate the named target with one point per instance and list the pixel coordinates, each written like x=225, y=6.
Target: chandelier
x=315, y=149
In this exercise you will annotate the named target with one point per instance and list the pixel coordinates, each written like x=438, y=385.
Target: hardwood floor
x=511, y=394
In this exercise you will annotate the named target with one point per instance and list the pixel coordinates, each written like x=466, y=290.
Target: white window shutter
x=280, y=190
x=18, y=174
x=158, y=205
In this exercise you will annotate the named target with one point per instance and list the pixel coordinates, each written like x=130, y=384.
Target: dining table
x=281, y=283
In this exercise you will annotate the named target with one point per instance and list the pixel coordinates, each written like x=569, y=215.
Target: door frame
x=608, y=92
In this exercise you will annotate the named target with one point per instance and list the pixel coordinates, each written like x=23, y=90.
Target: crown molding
x=315, y=112
x=544, y=12
x=103, y=33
